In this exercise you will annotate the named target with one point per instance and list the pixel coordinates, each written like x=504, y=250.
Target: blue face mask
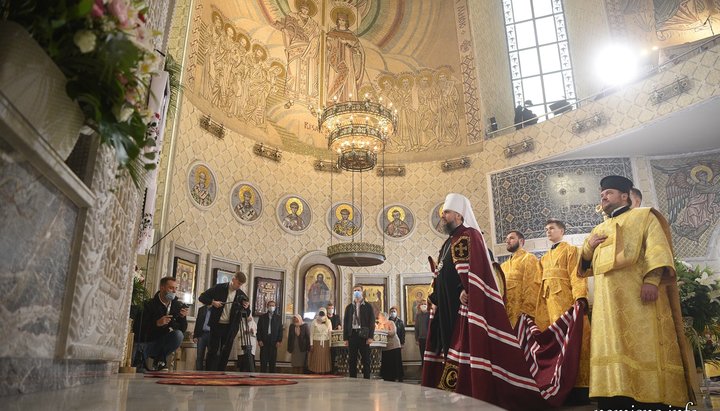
x=169, y=296
x=357, y=294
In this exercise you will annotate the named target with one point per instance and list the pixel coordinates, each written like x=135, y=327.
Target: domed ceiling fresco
x=263, y=67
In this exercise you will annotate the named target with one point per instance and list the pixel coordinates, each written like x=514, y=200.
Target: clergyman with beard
x=522, y=278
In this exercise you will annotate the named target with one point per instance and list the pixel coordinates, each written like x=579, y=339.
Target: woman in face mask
x=298, y=344
x=319, y=361
x=391, y=367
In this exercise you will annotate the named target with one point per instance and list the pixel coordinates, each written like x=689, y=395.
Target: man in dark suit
x=269, y=337
x=335, y=323
x=163, y=324
x=358, y=331
x=201, y=335
x=230, y=304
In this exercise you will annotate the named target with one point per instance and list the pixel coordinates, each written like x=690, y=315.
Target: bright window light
x=617, y=65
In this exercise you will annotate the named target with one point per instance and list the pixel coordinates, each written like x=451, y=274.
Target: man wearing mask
x=201, y=335
x=522, y=278
x=230, y=306
x=333, y=317
x=422, y=320
x=358, y=331
x=163, y=324
x=269, y=337
x=400, y=329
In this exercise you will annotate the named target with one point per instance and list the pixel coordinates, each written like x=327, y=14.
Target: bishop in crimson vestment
x=471, y=347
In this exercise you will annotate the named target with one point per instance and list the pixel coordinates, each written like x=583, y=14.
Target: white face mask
x=271, y=309
x=393, y=314
x=331, y=311
x=423, y=308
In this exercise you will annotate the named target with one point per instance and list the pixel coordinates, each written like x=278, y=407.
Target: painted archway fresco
x=261, y=67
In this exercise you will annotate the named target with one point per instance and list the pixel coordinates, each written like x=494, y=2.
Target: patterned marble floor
x=134, y=392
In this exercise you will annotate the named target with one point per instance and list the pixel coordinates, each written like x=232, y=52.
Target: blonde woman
x=298, y=344
x=391, y=367
x=320, y=330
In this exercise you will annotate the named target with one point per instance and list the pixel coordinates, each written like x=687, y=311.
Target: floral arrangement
x=139, y=292
x=103, y=48
x=700, y=305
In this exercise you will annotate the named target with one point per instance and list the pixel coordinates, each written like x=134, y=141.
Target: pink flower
x=119, y=9
x=97, y=9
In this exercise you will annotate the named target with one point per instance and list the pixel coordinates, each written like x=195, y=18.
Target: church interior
x=522, y=106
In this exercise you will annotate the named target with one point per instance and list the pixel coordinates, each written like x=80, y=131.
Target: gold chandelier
x=357, y=131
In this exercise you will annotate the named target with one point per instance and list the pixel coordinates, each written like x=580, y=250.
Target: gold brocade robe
x=638, y=349
x=522, y=284
x=559, y=288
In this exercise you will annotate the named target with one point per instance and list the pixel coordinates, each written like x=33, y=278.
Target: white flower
x=706, y=280
x=85, y=40
x=123, y=114
x=686, y=265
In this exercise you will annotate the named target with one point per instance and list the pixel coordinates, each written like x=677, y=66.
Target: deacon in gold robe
x=639, y=353
x=522, y=278
x=560, y=287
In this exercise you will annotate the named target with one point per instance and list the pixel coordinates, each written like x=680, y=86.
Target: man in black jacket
x=201, y=335
x=163, y=324
x=269, y=337
x=358, y=331
x=230, y=305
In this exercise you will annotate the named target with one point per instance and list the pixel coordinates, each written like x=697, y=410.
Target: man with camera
x=230, y=304
x=163, y=324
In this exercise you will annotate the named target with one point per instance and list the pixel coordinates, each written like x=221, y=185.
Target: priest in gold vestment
x=639, y=353
x=522, y=278
x=560, y=287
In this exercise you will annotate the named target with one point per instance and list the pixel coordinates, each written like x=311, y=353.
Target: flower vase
x=35, y=86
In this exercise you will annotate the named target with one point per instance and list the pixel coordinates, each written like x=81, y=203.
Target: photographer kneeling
x=229, y=305
x=163, y=324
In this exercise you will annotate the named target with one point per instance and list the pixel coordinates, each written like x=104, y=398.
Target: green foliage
x=103, y=48
x=139, y=292
x=700, y=305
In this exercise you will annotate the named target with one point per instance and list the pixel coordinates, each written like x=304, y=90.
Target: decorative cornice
x=586, y=124
x=519, y=148
x=455, y=164
x=267, y=151
x=391, y=171
x=327, y=165
x=212, y=126
x=677, y=87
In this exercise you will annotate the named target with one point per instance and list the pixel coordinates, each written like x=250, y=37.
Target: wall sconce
x=212, y=127
x=454, y=164
x=519, y=148
x=391, y=171
x=586, y=124
x=677, y=87
x=326, y=165
x=268, y=152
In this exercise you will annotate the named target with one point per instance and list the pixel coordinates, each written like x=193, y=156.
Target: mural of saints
x=202, y=188
x=396, y=227
x=247, y=209
x=293, y=220
x=693, y=197
x=345, y=58
x=301, y=37
x=344, y=225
